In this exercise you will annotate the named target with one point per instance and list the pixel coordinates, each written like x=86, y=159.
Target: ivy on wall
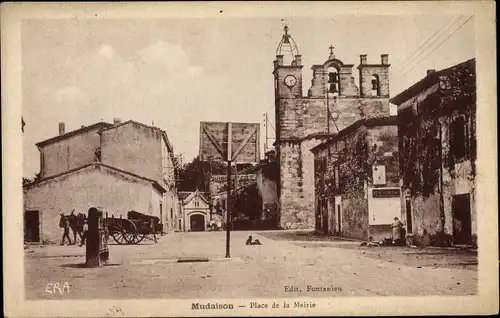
x=423, y=142
x=349, y=159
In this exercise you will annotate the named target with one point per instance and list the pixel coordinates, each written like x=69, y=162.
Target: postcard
x=249, y=159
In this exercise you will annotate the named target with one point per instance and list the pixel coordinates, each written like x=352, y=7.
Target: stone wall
x=291, y=180
x=382, y=142
x=353, y=173
x=302, y=122
x=267, y=187
x=366, y=73
x=431, y=173
x=353, y=153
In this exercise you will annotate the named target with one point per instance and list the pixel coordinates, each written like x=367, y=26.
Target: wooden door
x=32, y=226
x=462, y=225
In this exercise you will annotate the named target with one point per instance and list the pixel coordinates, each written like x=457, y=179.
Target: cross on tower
x=331, y=49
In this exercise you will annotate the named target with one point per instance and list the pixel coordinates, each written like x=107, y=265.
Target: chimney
x=279, y=58
x=117, y=121
x=298, y=58
x=362, y=59
x=429, y=72
x=61, y=129
x=384, y=59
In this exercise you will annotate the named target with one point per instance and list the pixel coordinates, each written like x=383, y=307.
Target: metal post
x=265, y=147
x=228, y=209
x=322, y=221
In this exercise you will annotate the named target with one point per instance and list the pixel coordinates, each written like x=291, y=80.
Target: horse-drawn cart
x=134, y=229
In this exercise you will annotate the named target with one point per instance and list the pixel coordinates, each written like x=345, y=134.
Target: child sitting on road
x=250, y=242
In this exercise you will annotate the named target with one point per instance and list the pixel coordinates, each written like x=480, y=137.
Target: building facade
x=194, y=212
x=117, y=167
x=357, y=180
x=254, y=197
x=146, y=151
x=437, y=139
x=334, y=101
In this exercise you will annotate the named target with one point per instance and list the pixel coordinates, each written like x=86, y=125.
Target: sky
x=177, y=72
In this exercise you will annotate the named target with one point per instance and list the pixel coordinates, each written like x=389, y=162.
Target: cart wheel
x=138, y=238
x=129, y=231
x=116, y=233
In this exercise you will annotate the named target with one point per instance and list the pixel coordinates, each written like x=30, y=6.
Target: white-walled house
x=117, y=167
x=194, y=211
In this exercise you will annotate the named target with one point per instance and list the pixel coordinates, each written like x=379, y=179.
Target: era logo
x=51, y=288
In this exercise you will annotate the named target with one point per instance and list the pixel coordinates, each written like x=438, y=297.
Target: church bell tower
x=287, y=86
x=289, y=115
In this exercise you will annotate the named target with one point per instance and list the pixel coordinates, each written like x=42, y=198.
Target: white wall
x=90, y=187
x=382, y=211
x=69, y=153
x=134, y=148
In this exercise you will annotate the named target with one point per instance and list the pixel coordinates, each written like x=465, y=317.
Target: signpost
x=229, y=142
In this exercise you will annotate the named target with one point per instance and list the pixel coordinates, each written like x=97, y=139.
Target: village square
x=343, y=188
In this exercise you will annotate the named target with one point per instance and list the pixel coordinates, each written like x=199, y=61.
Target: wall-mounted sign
x=378, y=173
x=240, y=177
x=386, y=193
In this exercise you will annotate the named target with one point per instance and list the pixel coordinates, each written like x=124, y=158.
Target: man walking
x=65, y=226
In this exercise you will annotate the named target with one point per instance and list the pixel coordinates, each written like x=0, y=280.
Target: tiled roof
x=98, y=164
x=101, y=125
x=370, y=122
x=429, y=80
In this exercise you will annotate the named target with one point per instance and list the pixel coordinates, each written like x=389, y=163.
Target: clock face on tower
x=290, y=80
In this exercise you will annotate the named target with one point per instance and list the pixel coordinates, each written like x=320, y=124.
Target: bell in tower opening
x=333, y=89
x=375, y=85
x=333, y=81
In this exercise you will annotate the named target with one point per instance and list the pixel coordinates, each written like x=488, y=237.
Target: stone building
x=301, y=121
x=357, y=180
x=194, y=211
x=254, y=199
x=267, y=175
x=437, y=140
x=118, y=167
x=258, y=200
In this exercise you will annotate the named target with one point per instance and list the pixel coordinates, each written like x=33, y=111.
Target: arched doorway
x=197, y=222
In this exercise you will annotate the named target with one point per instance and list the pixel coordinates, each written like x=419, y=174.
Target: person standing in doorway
x=397, y=227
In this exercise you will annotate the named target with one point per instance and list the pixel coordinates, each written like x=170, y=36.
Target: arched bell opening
x=375, y=85
x=333, y=81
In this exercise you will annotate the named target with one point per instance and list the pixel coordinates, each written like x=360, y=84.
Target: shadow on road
x=82, y=265
x=79, y=265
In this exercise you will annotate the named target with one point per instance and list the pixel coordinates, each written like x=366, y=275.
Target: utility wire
x=450, y=27
x=271, y=124
x=449, y=36
x=409, y=58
